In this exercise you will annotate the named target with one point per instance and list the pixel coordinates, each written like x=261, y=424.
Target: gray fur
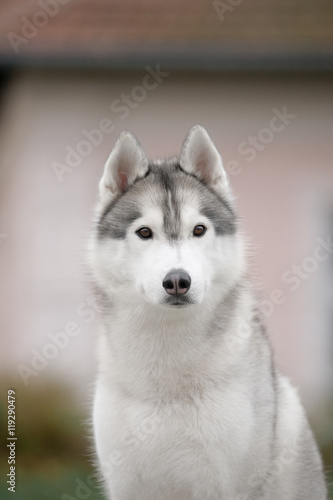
x=117, y=217
x=168, y=186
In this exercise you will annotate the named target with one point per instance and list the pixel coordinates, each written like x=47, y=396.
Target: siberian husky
x=188, y=402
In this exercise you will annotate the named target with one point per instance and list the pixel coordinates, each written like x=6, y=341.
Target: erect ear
x=200, y=158
x=126, y=163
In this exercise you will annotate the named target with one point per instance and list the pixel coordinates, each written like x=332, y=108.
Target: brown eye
x=145, y=233
x=199, y=230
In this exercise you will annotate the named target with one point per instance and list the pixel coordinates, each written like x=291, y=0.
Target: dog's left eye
x=199, y=230
x=145, y=233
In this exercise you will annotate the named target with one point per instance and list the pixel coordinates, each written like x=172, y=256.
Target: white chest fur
x=182, y=433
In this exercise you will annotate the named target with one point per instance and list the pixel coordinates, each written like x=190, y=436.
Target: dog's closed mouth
x=178, y=302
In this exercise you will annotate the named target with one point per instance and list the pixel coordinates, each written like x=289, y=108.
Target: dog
x=188, y=404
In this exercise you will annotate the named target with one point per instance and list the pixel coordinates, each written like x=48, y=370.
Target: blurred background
x=73, y=75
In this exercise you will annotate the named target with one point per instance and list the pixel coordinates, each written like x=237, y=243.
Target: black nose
x=177, y=282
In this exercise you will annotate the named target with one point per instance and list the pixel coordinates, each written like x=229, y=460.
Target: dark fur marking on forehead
x=169, y=179
x=170, y=206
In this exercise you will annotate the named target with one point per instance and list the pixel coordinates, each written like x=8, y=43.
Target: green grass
x=73, y=482
x=52, y=450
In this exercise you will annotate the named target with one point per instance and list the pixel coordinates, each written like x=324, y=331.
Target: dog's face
x=166, y=231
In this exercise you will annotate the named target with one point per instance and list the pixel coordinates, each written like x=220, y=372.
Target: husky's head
x=166, y=231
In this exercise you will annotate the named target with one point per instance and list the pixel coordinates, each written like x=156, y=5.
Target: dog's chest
x=203, y=444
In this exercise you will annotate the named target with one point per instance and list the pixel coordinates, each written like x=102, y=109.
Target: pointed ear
x=200, y=158
x=126, y=163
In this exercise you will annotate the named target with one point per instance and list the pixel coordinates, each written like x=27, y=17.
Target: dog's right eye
x=199, y=230
x=145, y=233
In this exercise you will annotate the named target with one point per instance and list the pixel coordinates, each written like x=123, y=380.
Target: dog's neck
x=160, y=352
